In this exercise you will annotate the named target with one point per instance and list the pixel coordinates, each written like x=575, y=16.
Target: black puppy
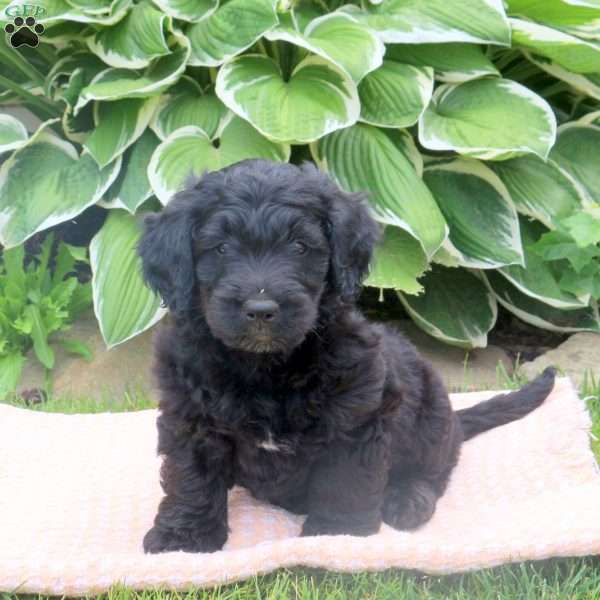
x=270, y=377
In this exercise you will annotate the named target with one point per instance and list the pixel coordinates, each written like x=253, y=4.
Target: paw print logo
x=24, y=32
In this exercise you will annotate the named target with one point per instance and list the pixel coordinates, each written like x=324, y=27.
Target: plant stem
x=40, y=103
x=212, y=71
x=262, y=48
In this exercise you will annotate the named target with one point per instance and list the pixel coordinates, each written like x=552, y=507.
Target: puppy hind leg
x=409, y=503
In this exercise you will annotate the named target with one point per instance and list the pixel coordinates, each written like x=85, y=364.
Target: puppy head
x=255, y=248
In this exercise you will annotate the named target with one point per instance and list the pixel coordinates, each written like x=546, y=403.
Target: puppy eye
x=300, y=248
x=221, y=248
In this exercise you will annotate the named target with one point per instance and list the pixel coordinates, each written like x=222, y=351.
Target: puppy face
x=261, y=266
x=254, y=248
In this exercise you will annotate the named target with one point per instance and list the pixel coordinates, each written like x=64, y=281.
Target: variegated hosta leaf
x=118, y=125
x=395, y=95
x=367, y=159
x=540, y=314
x=456, y=307
x=484, y=227
x=188, y=10
x=92, y=6
x=45, y=182
x=418, y=22
x=318, y=97
x=339, y=38
x=70, y=75
x=234, y=27
x=399, y=261
x=116, y=84
x=133, y=42
x=60, y=10
x=189, y=106
x=64, y=32
x=124, y=306
x=588, y=83
x=579, y=17
x=132, y=186
x=540, y=279
x=539, y=189
x=576, y=151
x=566, y=50
x=189, y=151
x=406, y=144
x=492, y=119
x=452, y=63
x=12, y=133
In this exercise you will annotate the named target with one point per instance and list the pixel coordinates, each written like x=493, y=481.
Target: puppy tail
x=505, y=408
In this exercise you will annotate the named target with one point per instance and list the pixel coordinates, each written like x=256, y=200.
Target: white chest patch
x=269, y=444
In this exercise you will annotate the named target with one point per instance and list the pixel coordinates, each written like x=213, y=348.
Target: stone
x=124, y=369
x=461, y=370
x=577, y=357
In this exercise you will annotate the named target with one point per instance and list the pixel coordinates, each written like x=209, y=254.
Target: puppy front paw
x=160, y=539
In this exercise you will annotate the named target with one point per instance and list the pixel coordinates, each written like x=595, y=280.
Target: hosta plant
x=471, y=125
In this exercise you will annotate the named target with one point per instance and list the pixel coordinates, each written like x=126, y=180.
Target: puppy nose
x=260, y=310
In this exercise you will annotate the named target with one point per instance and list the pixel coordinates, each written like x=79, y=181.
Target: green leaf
x=60, y=10
x=39, y=335
x=64, y=263
x=134, y=41
x=11, y=367
x=451, y=62
x=189, y=151
x=318, y=97
x=189, y=106
x=538, y=313
x=538, y=189
x=364, y=158
x=132, y=187
x=484, y=228
x=124, y=306
x=586, y=283
x=492, y=119
x=395, y=95
x=399, y=261
x=418, y=22
x=589, y=83
x=556, y=245
x=584, y=227
x=566, y=50
x=540, y=279
x=579, y=17
x=78, y=348
x=71, y=74
x=576, y=152
x=116, y=84
x=118, y=125
x=47, y=168
x=12, y=133
x=234, y=27
x=441, y=310
x=188, y=10
x=339, y=38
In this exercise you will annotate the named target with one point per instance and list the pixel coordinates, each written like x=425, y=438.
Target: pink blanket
x=78, y=492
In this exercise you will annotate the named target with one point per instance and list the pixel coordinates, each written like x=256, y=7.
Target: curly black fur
x=310, y=407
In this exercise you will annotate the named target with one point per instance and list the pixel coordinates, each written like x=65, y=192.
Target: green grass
x=572, y=579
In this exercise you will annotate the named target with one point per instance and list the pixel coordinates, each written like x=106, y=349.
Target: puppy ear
x=167, y=258
x=353, y=234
